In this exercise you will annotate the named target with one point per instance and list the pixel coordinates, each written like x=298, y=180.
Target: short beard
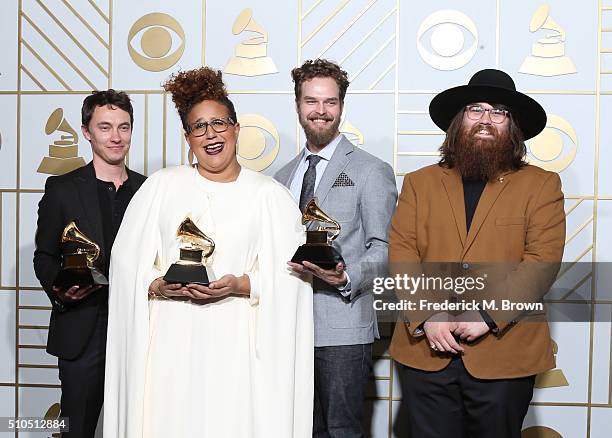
x=319, y=138
x=479, y=159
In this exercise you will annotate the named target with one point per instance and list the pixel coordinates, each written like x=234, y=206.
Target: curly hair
x=188, y=88
x=319, y=68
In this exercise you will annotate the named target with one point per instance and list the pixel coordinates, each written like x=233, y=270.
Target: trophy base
x=187, y=273
x=323, y=255
x=80, y=276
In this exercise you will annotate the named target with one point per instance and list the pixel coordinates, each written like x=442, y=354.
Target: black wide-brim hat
x=493, y=87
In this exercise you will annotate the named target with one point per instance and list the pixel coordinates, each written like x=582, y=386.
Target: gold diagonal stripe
x=73, y=38
x=86, y=24
x=382, y=75
x=580, y=283
x=347, y=27
x=312, y=8
x=367, y=35
x=31, y=76
x=572, y=264
x=573, y=207
x=372, y=58
x=59, y=51
x=578, y=230
x=99, y=11
x=327, y=19
x=42, y=61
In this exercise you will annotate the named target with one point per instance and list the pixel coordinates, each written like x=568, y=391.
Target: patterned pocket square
x=343, y=181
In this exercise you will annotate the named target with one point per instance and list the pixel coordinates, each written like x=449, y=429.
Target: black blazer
x=73, y=196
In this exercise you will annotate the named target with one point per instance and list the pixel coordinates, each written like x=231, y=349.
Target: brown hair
x=188, y=88
x=319, y=68
x=109, y=97
x=453, y=135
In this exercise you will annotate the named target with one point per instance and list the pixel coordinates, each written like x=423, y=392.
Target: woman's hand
x=163, y=289
x=226, y=285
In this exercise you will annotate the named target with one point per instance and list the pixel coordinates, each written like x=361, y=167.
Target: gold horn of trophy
x=318, y=248
x=195, y=248
x=78, y=265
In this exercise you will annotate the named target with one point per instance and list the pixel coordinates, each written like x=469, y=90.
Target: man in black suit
x=95, y=197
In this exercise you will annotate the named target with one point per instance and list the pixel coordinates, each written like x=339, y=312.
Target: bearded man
x=471, y=373
x=357, y=190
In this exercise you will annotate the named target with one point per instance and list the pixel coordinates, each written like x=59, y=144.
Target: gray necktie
x=308, y=182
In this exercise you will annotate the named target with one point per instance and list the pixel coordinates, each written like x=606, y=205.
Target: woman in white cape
x=230, y=360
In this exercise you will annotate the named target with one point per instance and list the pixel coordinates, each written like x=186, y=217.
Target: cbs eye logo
x=159, y=47
x=252, y=142
x=547, y=147
x=447, y=39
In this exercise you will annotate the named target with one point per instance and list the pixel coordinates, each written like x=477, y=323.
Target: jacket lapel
x=454, y=190
x=293, y=165
x=85, y=182
x=336, y=165
x=490, y=194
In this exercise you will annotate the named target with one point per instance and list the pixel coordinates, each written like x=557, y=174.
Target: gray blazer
x=358, y=190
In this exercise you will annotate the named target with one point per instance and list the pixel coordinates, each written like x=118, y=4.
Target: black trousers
x=83, y=383
x=341, y=376
x=452, y=404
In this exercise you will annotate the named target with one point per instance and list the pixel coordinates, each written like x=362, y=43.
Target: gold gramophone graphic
x=547, y=54
x=63, y=153
x=540, y=432
x=196, y=247
x=352, y=134
x=78, y=265
x=318, y=248
x=551, y=378
x=53, y=413
x=251, y=55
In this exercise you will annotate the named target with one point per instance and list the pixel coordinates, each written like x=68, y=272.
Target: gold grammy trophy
x=64, y=153
x=251, y=55
x=78, y=265
x=318, y=248
x=195, y=248
x=547, y=54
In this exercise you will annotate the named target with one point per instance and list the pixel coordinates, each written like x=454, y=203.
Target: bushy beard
x=319, y=137
x=483, y=159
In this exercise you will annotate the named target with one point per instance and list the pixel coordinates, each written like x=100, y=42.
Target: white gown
x=239, y=367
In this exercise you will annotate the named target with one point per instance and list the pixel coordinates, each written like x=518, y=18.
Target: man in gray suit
x=357, y=190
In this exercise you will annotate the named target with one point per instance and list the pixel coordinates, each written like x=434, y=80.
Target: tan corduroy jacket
x=519, y=220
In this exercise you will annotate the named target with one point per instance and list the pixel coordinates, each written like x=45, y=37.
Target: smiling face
x=319, y=109
x=215, y=151
x=484, y=128
x=110, y=132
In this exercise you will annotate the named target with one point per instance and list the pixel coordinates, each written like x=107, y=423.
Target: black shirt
x=113, y=204
x=472, y=190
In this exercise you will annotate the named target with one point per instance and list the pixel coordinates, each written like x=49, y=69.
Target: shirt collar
x=327, y=152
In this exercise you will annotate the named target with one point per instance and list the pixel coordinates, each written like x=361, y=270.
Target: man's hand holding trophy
x=78, y=276
x=317, y=255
